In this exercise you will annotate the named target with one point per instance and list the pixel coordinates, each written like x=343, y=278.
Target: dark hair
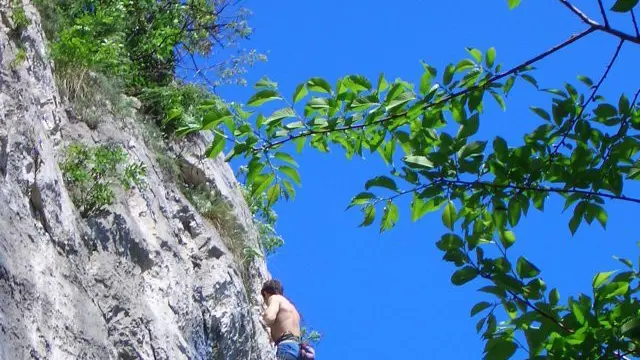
x=272, y=287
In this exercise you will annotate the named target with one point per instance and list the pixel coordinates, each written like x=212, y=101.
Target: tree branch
x=447, y=98
x=588, y=101
x=604, y=28
x=635, y=24
x=604, y=15
x=538, y=189
x=528, y=303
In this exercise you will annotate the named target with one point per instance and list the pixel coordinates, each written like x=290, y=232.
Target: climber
x=283, y=320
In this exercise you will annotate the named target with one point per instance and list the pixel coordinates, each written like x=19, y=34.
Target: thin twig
x=595, y=25
x=588, y=101
x=635, y=23
x=604, y=15
x=450, y=97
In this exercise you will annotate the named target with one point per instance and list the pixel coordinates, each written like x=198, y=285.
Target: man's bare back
x=284, y=315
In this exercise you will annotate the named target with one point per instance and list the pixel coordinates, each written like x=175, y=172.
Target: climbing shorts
x=288, y=350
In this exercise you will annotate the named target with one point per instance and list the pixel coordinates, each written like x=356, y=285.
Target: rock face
x=147, y=279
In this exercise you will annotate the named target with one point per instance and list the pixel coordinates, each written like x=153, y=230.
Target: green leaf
x=300, y=93
x=507, y=238
x=261, y=183
x=382, y=84
x=265, y=82
x=286, y=158
x=605, y=111
x=448, y=74
x=420, y=208
x=526, y=269
x=490, y=57
x=476, y=54
x=472, y=148
x=477, y=308
x=600, y=214
x=624, y=261
x=319, y=85
x=418, y=162
x=280, y=115
x=273, y=194
x=530, y=79
x=498, y=98
x=540, y=112
x=464, y=275
x=216, y=146
x=449, y=215
x=361, y=199
x=514, y=210
x=585, y=80
x=470, y=127
x=263, y=96
x=513, y=4
x=357, y=83
x=369, y=215
x=576, y=219
x=601, y=278
x=381, y=181
x=554, y=297
x=450, y=242
x=389, y=216
x=624, y=5
x=631, y=329
x=577, y=311
x=475, y=99
x=500, y=348
x=292, y=173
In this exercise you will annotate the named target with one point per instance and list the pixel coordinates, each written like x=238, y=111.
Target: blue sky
x=389, y=296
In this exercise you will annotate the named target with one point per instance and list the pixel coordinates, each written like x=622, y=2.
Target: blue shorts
x=288, y=350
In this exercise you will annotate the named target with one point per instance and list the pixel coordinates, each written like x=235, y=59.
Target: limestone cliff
x=147, y=279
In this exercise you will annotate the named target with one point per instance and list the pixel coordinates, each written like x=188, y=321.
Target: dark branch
x=604, y=28
x=482, y=184
x=450, y=97
x=635, y=23
x=604, y=14
x=588, y=101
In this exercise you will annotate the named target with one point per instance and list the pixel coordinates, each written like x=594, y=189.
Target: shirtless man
x=283, y=320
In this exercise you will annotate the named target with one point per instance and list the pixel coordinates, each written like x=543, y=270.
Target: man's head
x=271, y=287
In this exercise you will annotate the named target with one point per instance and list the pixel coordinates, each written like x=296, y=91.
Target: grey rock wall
x=147, y=279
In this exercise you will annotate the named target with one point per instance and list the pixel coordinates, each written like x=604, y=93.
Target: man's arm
x=271, y=313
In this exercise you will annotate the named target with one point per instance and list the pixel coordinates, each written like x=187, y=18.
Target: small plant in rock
x=19, y=59
x=92, y=173
x=19, y=17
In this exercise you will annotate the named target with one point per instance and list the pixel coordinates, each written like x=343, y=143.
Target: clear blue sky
x=380, y=297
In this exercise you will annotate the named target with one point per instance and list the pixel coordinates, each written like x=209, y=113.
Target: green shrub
x=92, y=173
x=178, y=108
x=144, y=40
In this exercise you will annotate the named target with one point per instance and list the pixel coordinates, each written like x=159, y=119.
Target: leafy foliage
x=142, y=41
x=264, y=218
x=92, y=173
x=584, y=151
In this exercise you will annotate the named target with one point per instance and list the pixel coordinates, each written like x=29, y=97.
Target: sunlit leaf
x=449, y=215
x=263, y=96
